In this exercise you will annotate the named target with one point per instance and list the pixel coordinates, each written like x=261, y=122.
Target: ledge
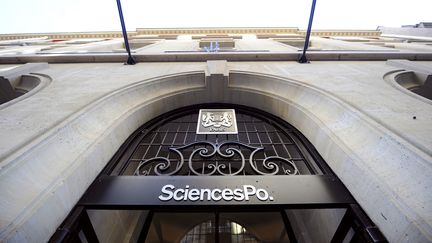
x=229, y=56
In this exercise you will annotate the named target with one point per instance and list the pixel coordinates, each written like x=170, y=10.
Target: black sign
x=119, y=191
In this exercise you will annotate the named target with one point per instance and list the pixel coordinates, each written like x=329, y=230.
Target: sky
x=39, y=16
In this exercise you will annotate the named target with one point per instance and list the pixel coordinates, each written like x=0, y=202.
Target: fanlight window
x=263, y=146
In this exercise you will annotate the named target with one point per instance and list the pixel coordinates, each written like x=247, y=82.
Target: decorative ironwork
x=167, y=145
x=270, y=165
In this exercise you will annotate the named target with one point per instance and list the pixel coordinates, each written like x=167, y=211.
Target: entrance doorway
x=228, y=227
x=265, y=183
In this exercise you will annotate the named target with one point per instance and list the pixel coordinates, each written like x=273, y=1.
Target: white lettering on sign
x=245, y=193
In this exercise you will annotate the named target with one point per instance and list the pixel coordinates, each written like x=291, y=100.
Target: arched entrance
x=167, y=179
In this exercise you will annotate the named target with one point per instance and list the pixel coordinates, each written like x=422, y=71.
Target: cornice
x=67, y=35
x=191, y=31
x=215, y=31
x=360, y=33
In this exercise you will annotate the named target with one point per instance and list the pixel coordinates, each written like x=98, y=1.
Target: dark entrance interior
x=217, y=227
x=312, y=206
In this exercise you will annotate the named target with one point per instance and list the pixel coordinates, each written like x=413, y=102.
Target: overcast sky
x=32, y=16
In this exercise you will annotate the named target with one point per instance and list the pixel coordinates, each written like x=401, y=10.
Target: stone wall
x=55, y=142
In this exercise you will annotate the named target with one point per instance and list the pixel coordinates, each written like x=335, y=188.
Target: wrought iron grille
x=264, y=145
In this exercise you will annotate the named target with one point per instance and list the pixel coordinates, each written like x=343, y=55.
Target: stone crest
x=217, y=121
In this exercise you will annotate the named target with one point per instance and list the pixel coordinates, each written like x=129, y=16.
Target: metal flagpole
x=303, y=58
x=131, y=60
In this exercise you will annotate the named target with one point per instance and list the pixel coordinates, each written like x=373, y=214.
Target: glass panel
x=264, y=137
x=179, y=140
x=315, y=225
x=252, y=227
x=117, y=225
x=182, y=227
x=308, y=225
x=233, y=228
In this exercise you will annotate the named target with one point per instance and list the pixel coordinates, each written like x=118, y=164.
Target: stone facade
x=375, y=134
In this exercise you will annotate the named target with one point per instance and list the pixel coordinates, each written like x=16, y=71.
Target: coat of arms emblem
x=217, y=121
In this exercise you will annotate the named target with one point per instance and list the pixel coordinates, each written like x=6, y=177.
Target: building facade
x=359, y=115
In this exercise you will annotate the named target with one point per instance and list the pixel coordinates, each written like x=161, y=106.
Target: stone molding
x=189, y=31
x=359, y=33
x=214, y=31
x=69, y=35
x=233, y=56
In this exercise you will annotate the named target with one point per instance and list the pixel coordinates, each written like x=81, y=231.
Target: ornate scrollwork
x=225, y=151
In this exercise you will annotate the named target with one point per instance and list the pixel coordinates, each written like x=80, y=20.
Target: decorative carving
x=208, y=119
x=208, y=165
x=216, y=121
